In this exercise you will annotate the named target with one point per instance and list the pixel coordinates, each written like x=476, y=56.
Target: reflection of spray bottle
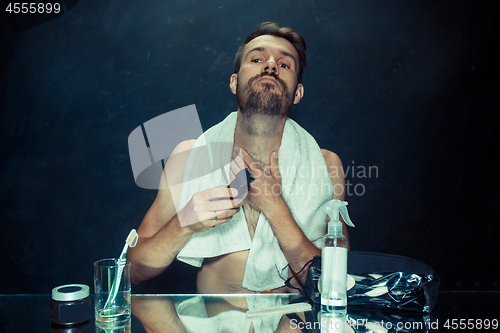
x=334, y=261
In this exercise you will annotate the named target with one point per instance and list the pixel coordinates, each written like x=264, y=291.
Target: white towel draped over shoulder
x=306, y=186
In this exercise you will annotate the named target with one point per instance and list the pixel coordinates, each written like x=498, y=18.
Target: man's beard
x=268, y=100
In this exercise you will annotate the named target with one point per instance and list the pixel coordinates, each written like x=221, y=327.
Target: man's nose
x=271, y=66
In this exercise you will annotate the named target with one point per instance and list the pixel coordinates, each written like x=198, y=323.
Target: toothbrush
x=131, y=241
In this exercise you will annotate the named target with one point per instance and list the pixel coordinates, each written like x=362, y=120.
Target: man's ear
x=299, y=93
x=233, y=82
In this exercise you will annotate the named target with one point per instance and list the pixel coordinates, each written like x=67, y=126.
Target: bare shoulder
x=174, y=167
x=336, y=172
x=331, y=159
x=183, y=146
x=164, y=206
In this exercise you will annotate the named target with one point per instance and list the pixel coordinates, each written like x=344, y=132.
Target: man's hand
x=209, y=208
x=265, y=192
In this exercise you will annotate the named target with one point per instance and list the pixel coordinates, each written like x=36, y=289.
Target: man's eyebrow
x=263, y=49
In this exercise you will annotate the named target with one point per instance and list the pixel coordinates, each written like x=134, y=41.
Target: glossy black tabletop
x=454, y=311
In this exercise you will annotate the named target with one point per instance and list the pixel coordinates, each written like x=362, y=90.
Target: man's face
x=267, y=81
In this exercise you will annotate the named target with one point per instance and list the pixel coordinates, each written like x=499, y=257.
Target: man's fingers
x=238, y=160
x=224, y=215
x=221, y=198
x=219, y=192
x=247, y=159
x=224, y=204
x=236, y=151
x=235, y=168
x=218, y=214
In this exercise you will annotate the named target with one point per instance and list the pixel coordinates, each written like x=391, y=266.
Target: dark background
x=409, y=87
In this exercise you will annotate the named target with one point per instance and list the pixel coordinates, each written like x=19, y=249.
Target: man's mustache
x=273, y=75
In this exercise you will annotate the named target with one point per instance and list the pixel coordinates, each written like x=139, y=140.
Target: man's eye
x=285, y=66
x=256, y=60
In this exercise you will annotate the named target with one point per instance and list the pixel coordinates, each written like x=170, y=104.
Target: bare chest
x=252, y=216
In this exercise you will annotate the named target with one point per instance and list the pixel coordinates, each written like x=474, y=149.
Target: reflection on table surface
x=212, y=313
x=228, y=313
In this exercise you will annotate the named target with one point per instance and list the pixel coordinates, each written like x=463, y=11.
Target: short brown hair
x=274, y=29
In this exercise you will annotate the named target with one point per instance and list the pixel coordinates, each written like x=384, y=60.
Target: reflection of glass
x=117, y=314
x=122, y=328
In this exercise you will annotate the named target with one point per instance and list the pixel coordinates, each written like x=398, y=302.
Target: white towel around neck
x=306, y=186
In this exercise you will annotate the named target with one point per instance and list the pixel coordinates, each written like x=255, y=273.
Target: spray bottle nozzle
x=333, y=208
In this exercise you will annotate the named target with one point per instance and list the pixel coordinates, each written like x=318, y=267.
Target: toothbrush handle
x=116, y=283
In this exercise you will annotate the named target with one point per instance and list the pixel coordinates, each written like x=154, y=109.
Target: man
x=267, y=81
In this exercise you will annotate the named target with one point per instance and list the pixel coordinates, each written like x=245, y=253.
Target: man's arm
x=336, y=171
x=293, y=242
x=161, y=233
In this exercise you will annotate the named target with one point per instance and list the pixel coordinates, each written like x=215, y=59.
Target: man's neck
x=259, y=135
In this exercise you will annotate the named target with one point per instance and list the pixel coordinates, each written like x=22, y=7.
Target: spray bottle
x=334, y=261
